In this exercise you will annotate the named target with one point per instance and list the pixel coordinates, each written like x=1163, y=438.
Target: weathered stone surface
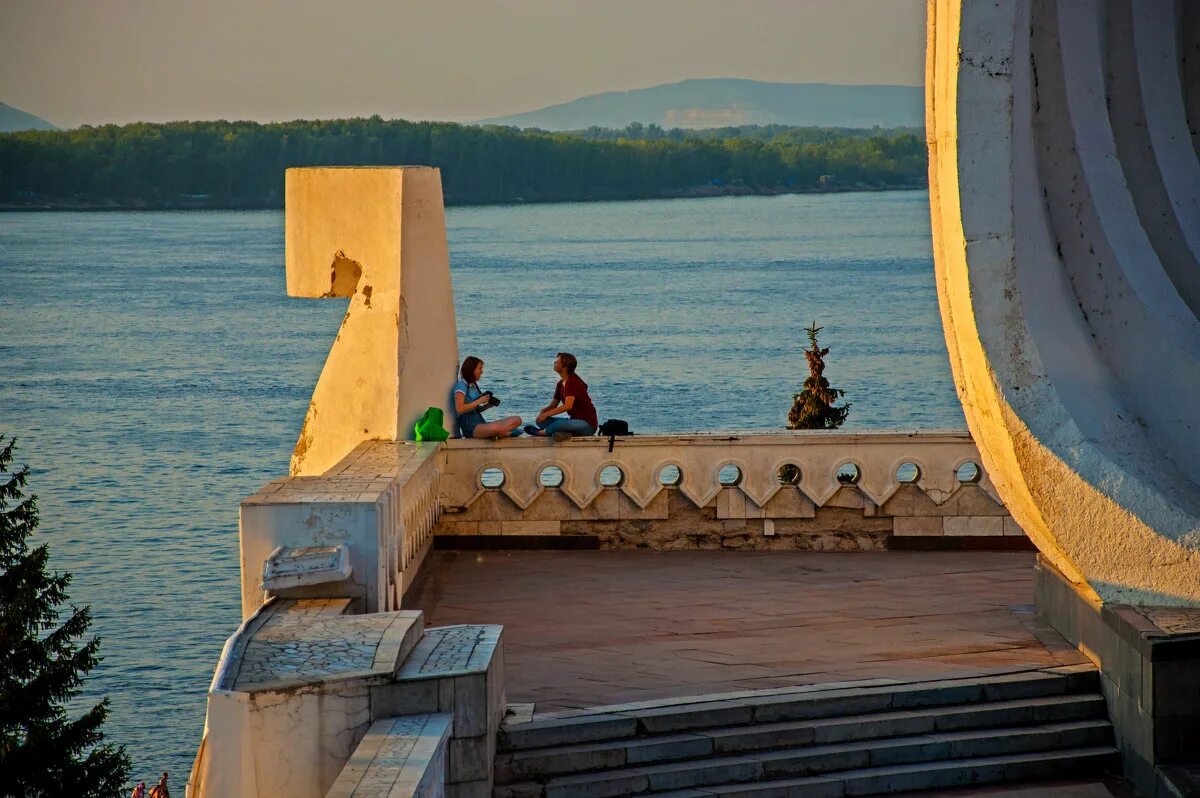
x=361, y=233
x=928, y=526
x=699, y=512
x=1067, y=282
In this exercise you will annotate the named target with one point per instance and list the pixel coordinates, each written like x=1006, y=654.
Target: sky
x=76, y=62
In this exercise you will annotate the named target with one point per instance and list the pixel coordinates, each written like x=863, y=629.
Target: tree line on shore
x=241, y=164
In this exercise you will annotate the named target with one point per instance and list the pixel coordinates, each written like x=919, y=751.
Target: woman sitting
x=470, y=402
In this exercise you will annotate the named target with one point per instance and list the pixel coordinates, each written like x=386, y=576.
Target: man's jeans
x=575, y=426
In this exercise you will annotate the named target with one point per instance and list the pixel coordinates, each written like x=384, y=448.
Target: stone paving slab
x=452, y=651
x=589, y=628
x=297, y=642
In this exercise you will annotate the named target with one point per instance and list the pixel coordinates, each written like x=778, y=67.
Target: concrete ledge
x=1150, y=675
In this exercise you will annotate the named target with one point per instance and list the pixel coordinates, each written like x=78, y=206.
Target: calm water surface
x=156, y=373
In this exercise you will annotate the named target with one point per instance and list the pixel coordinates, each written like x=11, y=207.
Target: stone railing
x=381, y=501
x=819, y=490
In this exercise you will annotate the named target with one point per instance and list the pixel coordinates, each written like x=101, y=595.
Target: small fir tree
x=42, y=665
x=813, y=408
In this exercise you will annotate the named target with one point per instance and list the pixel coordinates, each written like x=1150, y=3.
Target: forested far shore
x=241, y=164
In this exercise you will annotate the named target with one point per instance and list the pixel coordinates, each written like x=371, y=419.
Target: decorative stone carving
x=1065, y=199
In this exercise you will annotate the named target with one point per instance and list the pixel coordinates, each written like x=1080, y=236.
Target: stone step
x=815, y=759
x=1060, y=715
x=743, y=709
x=944, y=774
x=400, y=757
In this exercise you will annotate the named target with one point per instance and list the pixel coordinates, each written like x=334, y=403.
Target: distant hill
x=13, y=119
x=728, y=102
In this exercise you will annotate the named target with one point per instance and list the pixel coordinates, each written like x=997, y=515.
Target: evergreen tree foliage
x=813, y=408
x=42, y=664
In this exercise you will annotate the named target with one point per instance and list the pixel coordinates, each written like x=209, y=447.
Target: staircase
x=820, y=740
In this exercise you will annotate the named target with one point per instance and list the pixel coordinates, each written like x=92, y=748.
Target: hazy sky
x=90, y=61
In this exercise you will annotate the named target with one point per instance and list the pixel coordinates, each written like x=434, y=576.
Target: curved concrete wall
x=1065, y=198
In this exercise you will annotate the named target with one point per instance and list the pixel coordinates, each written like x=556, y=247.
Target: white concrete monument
x=1065, y=197
x=378, y=236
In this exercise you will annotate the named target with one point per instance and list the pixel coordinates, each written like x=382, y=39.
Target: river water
x=155, y=373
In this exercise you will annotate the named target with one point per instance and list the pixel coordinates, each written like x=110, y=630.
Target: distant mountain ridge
x=14, y=119
x=730, y=102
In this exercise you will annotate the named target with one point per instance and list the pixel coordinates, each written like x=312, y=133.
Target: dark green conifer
x=813, y=408
x=42, y=664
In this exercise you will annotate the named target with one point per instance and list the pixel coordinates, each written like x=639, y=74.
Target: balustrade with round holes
x=659, y=490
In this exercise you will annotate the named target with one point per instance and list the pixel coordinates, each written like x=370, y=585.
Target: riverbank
x=694, y=192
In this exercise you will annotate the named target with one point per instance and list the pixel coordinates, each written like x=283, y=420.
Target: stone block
x=973, y=500
x=470, y=705
x=535, y=764
x=900, y=503
x=445, y=695
x=883, y=753
x=598, y=785
x=972, y=525
x=551, y=505
x=469, y=760
x=917, y=526
x=731, y=503
x=530, y=528
x=756, y=739
x=605, y=506
x=458, y=528
x=657, y=749
x=847, y=496
x=408, y=697
x=470, y=789
x=784, y=707
x=789, y=502
x=568, y=731
x=692, y=716
x=1012, y=528
x=492, y=505
x=682, y=775
x=524, y=789
x=777, y=764
x=893, y=724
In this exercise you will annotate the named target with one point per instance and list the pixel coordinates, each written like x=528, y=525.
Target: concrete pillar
x=378, y=236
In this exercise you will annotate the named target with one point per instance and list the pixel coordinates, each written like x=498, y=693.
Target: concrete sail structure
x=1065, y=199
x=378, y=236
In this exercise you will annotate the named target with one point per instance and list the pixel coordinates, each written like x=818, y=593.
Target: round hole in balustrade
x=491, y=478
x=729, y=475
x=848, y=474
x=552, y=477
x=907, y=473
x=611, y=476
x=670, y=476
x=968, y=472
x=788, y=474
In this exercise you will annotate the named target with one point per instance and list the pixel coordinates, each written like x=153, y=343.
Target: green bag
x=429, y=426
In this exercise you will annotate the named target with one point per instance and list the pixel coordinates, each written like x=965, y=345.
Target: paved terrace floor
x=587, y=628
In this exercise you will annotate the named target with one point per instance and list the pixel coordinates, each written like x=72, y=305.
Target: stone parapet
x=380, y=501
x=791, y=490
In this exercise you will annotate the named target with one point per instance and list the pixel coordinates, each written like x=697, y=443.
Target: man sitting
x=570, y=399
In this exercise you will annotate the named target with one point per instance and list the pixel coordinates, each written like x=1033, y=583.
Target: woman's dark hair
x=467, y=372
x=569, y=362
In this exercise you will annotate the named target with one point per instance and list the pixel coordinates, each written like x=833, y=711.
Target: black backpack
x=612, y=428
